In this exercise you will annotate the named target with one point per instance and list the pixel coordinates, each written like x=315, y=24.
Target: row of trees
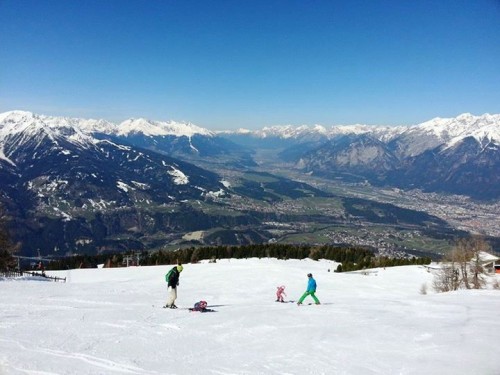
x=376, y=262
x=352, y=258
x=279, y=251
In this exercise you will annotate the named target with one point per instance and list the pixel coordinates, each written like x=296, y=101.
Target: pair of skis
x=191, y=309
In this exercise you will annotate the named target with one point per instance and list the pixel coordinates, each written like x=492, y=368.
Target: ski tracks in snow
x=101, y=365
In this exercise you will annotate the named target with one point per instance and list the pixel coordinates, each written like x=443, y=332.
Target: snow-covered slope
x=178, y=139
x=60, y=146
x=57, y=178
x=110, y=321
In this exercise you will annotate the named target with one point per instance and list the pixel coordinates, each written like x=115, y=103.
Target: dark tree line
x=352, y=258
x=7, y=247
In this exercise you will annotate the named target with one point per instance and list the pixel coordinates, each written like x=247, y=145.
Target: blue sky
x=230, y=64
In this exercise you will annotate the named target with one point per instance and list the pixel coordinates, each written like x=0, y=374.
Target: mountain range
x=64, y=186
x=451, y=155
x=83, y=185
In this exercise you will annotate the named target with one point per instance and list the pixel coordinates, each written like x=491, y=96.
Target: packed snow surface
x=111, y=321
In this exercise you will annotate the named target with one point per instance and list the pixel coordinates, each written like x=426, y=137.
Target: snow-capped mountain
x=459, y=155
x=83, y=184
x=127, y=127
x=16, y=120
x=463, y=126
x=21, y=131
x=392, y=155
x=446, y=132
x=405, y=141
x=428, y=134
x=184, y=140
x=55, y=178
x=27, y=141
x=292, y=132
x=399, y=155
x=172, y=138
x=160, y=128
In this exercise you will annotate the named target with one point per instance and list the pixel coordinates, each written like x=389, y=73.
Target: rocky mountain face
x=353, y=156
x=467, y=167
x=195, y=148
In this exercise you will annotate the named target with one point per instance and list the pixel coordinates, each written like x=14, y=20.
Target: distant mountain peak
x=290, y=131
x=143, y=126
x=465, y=125
x=16, y=114
x=160, y=128
x=27, y=127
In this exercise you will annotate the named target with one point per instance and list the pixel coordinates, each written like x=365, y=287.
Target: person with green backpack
x=172, y=279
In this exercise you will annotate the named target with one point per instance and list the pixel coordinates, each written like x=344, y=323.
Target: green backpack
x=167, y=275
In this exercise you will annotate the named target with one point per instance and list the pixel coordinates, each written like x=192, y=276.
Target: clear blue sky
x=230, y=64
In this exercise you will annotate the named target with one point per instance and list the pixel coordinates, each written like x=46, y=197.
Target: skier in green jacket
x=172, y=278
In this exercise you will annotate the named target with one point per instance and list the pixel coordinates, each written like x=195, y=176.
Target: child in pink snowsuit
x=279, y=293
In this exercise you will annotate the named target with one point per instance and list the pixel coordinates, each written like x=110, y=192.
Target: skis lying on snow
x=191, y=309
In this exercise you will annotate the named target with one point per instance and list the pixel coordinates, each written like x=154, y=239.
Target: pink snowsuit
x=279, y=293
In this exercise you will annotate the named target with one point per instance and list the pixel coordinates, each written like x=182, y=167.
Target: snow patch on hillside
x=179, y=177
x=123, y=186
x=3, y=157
